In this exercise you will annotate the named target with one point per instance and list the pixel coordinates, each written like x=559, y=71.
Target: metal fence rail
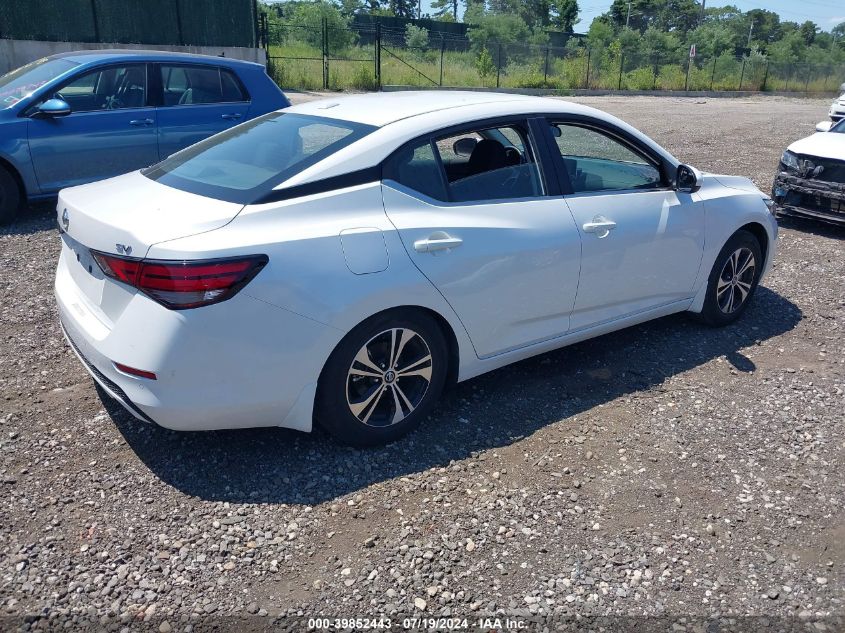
x=188, y=22
x=367, y=57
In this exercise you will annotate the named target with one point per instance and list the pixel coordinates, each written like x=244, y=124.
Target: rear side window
x=247, y=161
x=197, y=85
x=478, y=165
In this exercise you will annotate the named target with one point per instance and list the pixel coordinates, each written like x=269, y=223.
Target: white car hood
x=136, y=212
x=822, y=145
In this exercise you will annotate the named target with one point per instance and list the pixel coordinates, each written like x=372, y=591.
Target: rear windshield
x=246, y=162
x=22, y=82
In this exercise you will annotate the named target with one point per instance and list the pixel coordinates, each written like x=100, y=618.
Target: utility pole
x=750, y=31
x=628, y=19
x=701, y=20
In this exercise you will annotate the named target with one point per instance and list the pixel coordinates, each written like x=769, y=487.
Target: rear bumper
x=809, y=198
x=241, y=363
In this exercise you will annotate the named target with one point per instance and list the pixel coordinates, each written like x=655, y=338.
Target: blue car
x=78, y=117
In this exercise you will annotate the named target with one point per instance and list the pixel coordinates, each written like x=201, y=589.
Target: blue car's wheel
x=10, y=197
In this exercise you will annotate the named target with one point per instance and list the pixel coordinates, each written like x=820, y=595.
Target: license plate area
x=84, y=270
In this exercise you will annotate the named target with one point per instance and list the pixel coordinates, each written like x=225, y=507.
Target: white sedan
x=344, y=260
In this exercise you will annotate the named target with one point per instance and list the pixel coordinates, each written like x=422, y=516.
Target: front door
x=111, y=129
x=477, y=219
x=642, y=242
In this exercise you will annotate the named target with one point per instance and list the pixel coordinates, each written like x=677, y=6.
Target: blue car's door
x=110, y=131
x=198, y=101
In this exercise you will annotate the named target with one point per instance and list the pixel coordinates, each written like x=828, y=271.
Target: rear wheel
x=383, y=378
x=10, y=197
x=733, y=279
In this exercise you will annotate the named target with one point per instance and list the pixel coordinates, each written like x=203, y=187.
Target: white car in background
x=344, y=260
x=810, y=181
x=837, y=109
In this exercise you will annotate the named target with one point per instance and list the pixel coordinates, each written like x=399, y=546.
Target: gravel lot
x=669, y=469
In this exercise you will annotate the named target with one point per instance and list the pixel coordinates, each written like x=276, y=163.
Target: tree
x=808, y=31
x=563, y=14
x=416, y=37
x=404, y=8
x=444, y=9
x=309, y=17
x=712, y=39
x=484, y=64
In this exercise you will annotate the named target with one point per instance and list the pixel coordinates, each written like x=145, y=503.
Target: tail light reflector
x=141, y=373
x=180, y=285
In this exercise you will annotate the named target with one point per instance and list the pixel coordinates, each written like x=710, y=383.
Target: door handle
x=600, y=225
x=141, y=122
x=231, y=117
x=437, y=242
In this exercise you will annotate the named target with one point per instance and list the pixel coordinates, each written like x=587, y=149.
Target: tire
x=356, y=404
x=10, y=197
x=728, y=293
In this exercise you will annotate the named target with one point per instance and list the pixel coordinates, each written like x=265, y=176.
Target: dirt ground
x=670, y=470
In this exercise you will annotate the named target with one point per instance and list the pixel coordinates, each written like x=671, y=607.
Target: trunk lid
x=126, y=215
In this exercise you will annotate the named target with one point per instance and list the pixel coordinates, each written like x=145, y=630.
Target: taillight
x=180, y=285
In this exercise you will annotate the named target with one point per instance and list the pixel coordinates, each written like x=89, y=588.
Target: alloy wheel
x=389, y=377
x=736, y=280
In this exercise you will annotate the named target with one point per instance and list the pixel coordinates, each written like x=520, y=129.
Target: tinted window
x=22, y=82
x=192, y=85
x=247, y=161
x=596, y=161
x=477, y=165
x=113, y=88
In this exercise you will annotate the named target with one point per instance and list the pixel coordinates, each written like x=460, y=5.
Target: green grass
x=296, y=64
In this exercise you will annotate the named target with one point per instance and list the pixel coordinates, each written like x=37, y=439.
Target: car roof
x=382, y=108
x=107, y=55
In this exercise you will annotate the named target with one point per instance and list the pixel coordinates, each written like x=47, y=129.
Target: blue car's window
x=111, y=88
x=191, y=85
x=247, y=161
x=22, y=82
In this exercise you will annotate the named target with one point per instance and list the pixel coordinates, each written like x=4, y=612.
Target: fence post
x=713, y=74
x=788, y=77
x=621, y=65
x=587, y=78
x=498, y=64
x=96, y=20
x=765, y=77
x=686, y=81
x=807, y=84
x=442, y=48
x=546, y=69
x=377, y=56
x=179, y=26
x=742, y=74
x=325, y=28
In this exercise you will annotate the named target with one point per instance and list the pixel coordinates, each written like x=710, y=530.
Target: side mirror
x=824, y=126
x=464, y=146
x=687, y=179
x=54, y=108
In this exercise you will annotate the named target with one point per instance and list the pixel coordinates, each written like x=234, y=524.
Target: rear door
x=111, y=129
x=197, y=101
x=483, y=224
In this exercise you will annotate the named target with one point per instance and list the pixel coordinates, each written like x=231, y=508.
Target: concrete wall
x=15, y=53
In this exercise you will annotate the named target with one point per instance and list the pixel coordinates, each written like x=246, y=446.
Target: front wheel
x=383, y=378
x=733, y=279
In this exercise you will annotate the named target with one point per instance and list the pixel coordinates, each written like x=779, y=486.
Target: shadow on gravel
x=35, y=218
x=281, y=466
x=814, y=227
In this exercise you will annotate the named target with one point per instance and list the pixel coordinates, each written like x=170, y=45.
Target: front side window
x=478, y=165
x=596, y=161
x=113, y=88
x=197, y=85
x=22, y=82
x=247, y=161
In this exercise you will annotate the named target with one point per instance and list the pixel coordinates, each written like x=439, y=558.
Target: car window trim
x=30, y=110
x=613, y=132
x=220, y=69
x=551, y=186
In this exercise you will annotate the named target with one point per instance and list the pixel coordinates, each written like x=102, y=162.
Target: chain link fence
x=169, y=22
x=368, y=57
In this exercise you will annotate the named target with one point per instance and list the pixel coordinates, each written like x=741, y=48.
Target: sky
x=825, y=13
